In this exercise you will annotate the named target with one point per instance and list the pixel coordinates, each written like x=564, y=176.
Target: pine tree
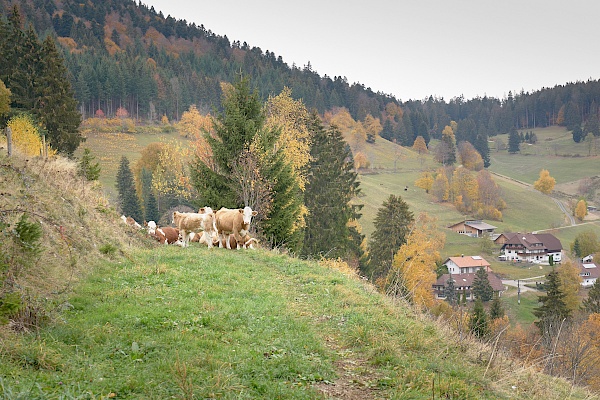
x=553, y=309
x=55, y=101
x=234, y=131
x=450, y=291
x=128, y=199
x=150, y=205
x=478, y=323
x=392, y=224
x=514, y=141
x=87, y=168
x=591, y=304
x=482, y=289
x=332, y=183
x=496, y=309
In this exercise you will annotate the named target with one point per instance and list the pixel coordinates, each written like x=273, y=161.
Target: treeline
x=34, y=86
x=124, y=54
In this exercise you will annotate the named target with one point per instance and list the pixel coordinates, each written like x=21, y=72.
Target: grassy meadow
x=197, y=323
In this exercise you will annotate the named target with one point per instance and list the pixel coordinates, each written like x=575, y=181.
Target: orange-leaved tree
x=469, y=157
x=413, y=270
x=420, y=146
x=545, y=183
x=193, y=124
x=372, y=128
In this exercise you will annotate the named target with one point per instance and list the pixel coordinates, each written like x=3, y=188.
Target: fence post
x=9, y=140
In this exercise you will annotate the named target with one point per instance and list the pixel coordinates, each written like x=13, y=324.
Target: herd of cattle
x=227, y=228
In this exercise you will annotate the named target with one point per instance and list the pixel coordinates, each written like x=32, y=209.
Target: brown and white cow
x=166, y=235
x=233, y=221
x=195, y=222
x=246, y=243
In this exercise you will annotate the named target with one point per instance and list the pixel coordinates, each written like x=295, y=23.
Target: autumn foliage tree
x=581, y=210
x=193, y=124
x=469, y=157
x=425, y=181
x=545, y=183
x=413, y=270
x=25, y=135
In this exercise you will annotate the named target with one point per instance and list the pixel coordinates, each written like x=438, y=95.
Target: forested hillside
x=121, y=53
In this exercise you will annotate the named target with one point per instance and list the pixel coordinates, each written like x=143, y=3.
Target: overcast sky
x=413, y=49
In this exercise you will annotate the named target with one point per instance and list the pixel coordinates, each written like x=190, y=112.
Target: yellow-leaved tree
x=570, y=283
x=26, y=136
x=440, y=189
x=420, y=146
x=192, y=124
x=425, y=181
x=291, y=116
x=413, y=270
x=464, y=190
x=546, y=183
x=469, y=157
x=372, y=128
x=171, y=176
x=581, y=210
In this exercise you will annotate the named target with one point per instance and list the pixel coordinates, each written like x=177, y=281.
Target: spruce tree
x=514, y=141
x=482, y=289
x=150, y=205
x=332, y=184
x=450, y=291
x=87, y=167
x=478, y=323
x=496, y=308
x=128, y=199
x=55, y=102
x=553, y=308
x=392, y=224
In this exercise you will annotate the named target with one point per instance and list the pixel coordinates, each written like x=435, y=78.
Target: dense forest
x=121, y=53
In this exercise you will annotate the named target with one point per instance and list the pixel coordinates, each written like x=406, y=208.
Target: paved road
x=524, y=288
x=564, y=210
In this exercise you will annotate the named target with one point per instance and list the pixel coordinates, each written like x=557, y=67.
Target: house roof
x=529, y=240
x=590, y=268
x=468, y=261
x=480, y=225
x=462, y=280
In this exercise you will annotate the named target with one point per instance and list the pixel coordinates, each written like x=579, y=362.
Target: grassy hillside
x=199, y=323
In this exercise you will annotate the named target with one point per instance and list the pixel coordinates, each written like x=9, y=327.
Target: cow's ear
x=254, y=213
x=240, y=210
x=201, y=210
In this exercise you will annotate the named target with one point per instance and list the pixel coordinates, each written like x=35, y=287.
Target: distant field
x=108, y=148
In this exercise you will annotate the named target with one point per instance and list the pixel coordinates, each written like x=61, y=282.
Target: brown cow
x=233, y=221
x=194, y=222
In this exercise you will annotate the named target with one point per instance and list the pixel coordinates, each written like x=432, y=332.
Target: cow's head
x=151, y=227
x=205, y=210
x=248, y=214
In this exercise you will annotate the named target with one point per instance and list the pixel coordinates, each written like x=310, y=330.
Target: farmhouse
x=589, y=272
x=465, y=264
x=534, y=248
x=463, y=284
x=474, y=228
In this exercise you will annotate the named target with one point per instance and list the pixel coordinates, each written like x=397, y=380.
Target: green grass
x=523, y=312
x=199, y=323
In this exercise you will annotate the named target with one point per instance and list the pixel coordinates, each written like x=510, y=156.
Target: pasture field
x=108, y=148
x=197, y=323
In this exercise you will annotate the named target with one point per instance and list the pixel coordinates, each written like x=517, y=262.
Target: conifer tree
x=496, y=308
x=392, y=224
x=150, y=205
x=450, y=291
x=55, y=101
x=478, y=323
x=553, y=308
x=514, y=141
x=332, y=183
x=481, y=286
x=87, y=168
x=128, y=199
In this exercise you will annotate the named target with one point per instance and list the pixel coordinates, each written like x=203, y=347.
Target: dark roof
x=528, y=240
x=467, y=280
